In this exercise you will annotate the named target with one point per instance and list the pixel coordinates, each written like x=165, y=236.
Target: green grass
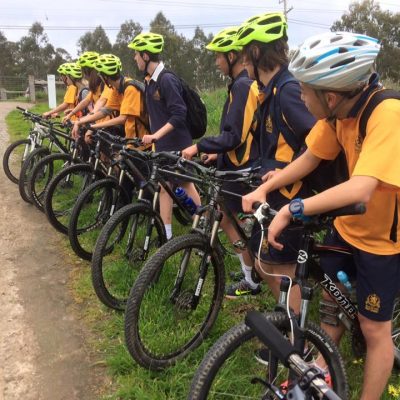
x=131, y=381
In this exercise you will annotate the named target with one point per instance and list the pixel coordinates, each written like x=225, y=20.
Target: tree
x=129, y=29
x=8, y=66
x=95, y=41
x=368, y=18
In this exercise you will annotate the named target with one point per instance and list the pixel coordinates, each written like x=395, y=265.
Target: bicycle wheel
x=162, y=321
x=63, y=191
x=14, y=157
x=95, y=205
x=42, y=174
x=26, y=171
x=228, y=369
x=396, y=332
x=127, y=240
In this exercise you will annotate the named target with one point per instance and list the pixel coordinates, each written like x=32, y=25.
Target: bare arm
x=295, y=171
x=120, y=120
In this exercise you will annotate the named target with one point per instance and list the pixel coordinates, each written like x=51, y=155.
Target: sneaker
x=240, y=289
x=236, y=276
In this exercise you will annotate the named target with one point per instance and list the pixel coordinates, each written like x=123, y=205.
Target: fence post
x=32, y=93
x=3, y=94
x=51, y=90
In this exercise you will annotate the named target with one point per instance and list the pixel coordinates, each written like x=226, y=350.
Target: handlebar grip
x=256, y=205
x=20, y=108
x=352, y=209
x=266, y=331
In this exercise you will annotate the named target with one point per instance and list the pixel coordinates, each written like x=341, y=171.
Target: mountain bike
x=307, y=380
x=17, y=152
x=230, y=365
x=181, y=287
x=134, y=233
x=63, y=190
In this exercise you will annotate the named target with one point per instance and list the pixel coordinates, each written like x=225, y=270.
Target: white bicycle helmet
x=339, y=61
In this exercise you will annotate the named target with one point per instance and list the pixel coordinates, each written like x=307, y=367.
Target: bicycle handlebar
x=266, y=331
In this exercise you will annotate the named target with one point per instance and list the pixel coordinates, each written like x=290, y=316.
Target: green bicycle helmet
x=225, y=41
x=151, y=42
x=108, y=64
x=263, y=28
x=73, y=70
x=88, y=59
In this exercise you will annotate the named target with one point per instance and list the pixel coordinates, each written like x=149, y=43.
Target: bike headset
x=108, y=66
x=340, y=62
x=225, y=42
x=71, y=70
x=148, y=42
x=261, y=218
x=263, y=28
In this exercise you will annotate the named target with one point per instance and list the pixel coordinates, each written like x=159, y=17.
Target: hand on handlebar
x=189, y=152
x=209, y=158
x=253, y=197
x=269, y=175
x=278, y=224
x=148, y=139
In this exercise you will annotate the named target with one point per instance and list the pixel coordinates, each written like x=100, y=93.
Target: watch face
x=296, y=207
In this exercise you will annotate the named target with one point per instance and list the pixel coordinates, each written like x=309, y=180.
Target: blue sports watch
x=296, y=208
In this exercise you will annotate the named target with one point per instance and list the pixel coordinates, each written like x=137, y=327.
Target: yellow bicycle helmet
x=151, y=42
x=263, y=28
x=108, y=64
x=73, y=70
x=225, y=41
x=88, y=59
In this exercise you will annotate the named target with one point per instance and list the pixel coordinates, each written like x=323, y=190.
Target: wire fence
x=14, y=88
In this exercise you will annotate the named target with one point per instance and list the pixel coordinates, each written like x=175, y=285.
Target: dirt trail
x=42, y=342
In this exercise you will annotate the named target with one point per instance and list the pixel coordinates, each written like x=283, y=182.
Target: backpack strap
x=287, y=133
x=375, y=100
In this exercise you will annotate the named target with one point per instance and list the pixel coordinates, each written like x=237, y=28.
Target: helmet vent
x=336, y=38
x=342, y=50
x=360, y=43
x=343, y=62
x=275, y=29
x=246, y=32
x=312, y=45
x=299, y=62
x=311, y=64
x=270, y=20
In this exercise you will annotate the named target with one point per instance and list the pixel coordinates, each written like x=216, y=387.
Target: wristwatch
x=296, y=208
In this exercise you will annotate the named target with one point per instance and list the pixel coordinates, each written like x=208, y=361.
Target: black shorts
x=377, y=277
x=290, y=238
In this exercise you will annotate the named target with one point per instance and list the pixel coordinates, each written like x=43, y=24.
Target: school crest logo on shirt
x=373, y=303
x=156, y=95
x=268, y=124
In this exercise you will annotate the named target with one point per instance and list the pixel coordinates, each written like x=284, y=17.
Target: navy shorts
x=377, y=277
x=290, y=238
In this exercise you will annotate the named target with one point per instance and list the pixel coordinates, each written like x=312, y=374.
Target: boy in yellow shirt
x=336, y=81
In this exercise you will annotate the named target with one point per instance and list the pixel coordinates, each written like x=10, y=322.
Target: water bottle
x=185, y=200
x=344, y=280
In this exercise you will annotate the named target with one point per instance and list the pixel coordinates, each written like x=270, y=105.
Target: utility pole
x=285, y=9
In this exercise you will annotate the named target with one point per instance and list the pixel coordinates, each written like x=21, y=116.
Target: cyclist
x=167, y=111
x=235, y=145
x=125, y=103
x=335, y=71
x=86, y=104
x=283, y=119
x=71, y=75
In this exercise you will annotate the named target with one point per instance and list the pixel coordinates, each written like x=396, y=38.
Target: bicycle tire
x=27, y=167
x=396, y=332
x=233, y=353
x=83, y=239
x=182, y=328
x=119, y=256
x=11, y=157
x=42, y=173
x=61, y=194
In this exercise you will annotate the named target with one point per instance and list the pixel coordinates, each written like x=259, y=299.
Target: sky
x=66, y=21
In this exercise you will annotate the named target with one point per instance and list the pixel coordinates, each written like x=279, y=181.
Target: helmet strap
x=230, y=64
x=255, y=66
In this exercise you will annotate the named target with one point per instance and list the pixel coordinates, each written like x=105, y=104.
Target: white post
x=51, y=90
